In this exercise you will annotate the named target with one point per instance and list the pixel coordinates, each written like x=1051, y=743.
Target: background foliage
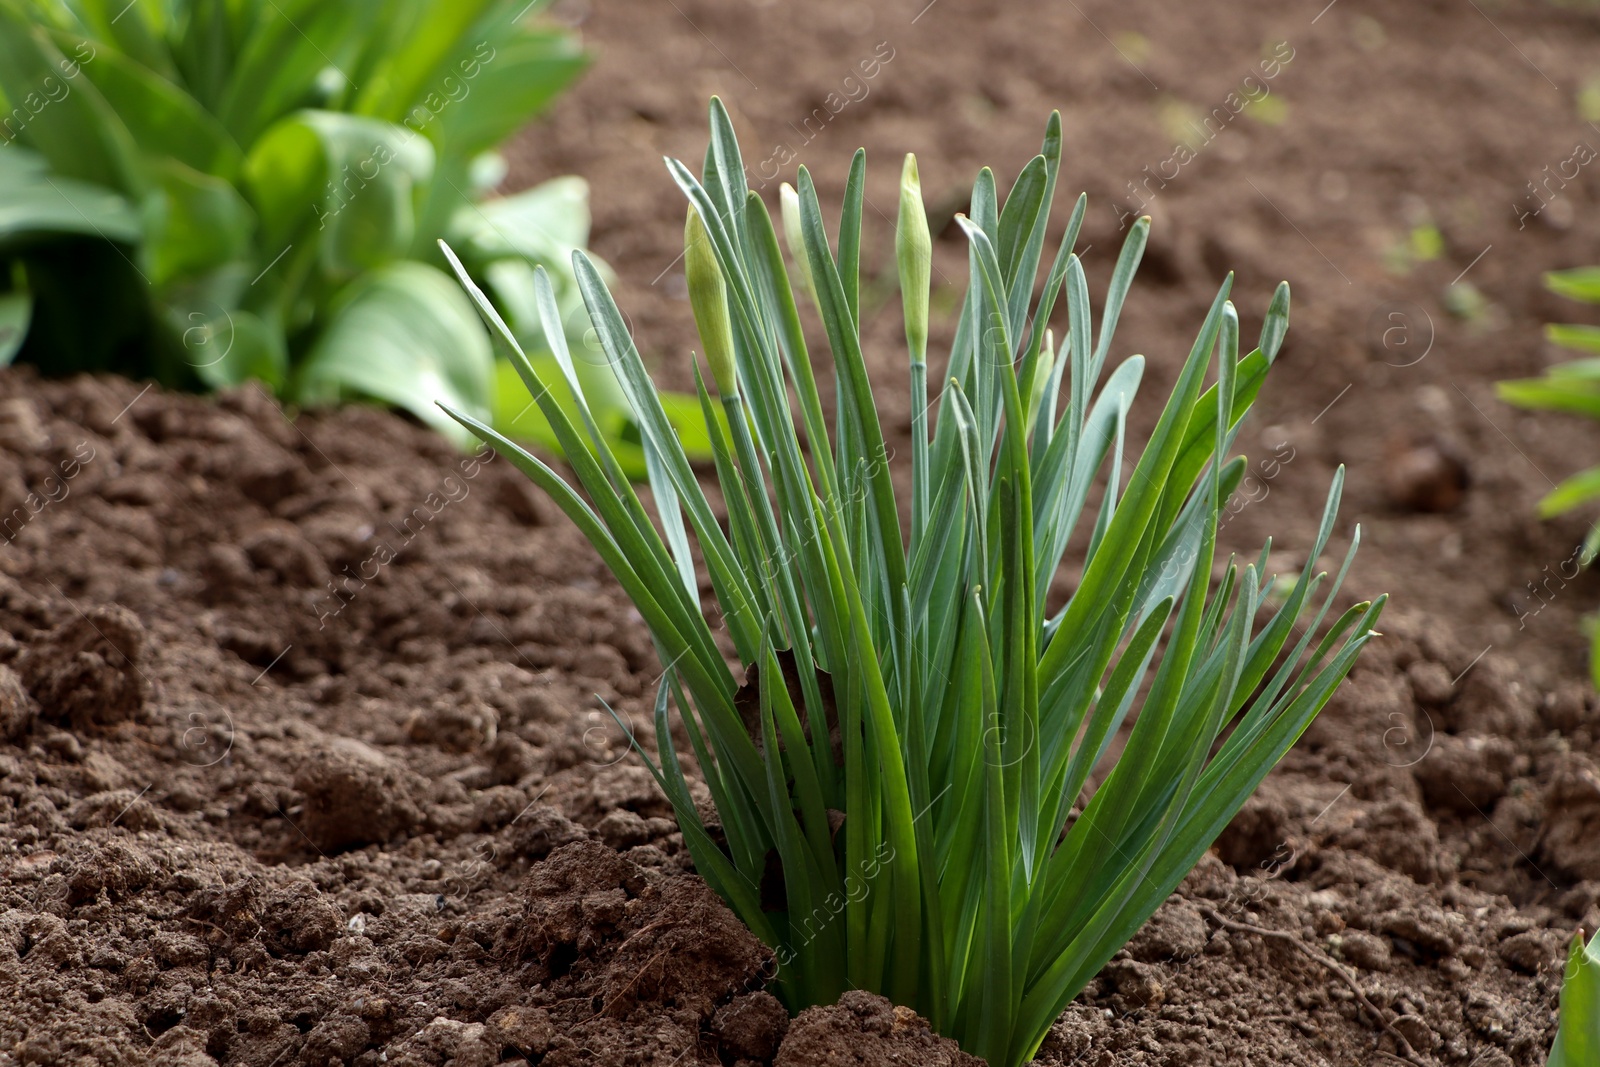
x=1573, y=387
x=206, y=191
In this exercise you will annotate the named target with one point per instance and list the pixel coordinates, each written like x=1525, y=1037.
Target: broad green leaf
x=293, y=45
x=206, y=45
x=423, y=37
x=137, y=28
x=542, y=225
x=60, y=113
x=34, y=202
x=249, y=164
x=512, y=77
x=348, y=183
x=202, y=223
x=231, y=347
x=162, y=118
x=403, y=334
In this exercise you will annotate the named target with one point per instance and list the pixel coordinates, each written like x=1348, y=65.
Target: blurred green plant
x=900, y=779
x=1578, y=1038
x=256, y=189
x=1573, y=387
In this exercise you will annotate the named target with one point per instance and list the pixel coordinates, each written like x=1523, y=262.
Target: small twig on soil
x=623, y=991
x=204, y=922
x=1407, y=1053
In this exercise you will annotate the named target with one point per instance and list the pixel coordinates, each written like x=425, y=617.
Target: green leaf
x=518, y=73
x=1552, y=393
x=542, y=225
x=291, y=47
x=1578, y=1037
x=137, y=29
x=16, y=310
x=1594, y=655
x=249, y=165
x=405, y=335
x=348, y=183
x=59, y=113
x=232, y=347
x=202, y=224
x=206, y=46
x=1581, y=283
x=520, y=419
x=33, y=202
x=1578, y=489
x=161, y=117
x=509, y=76
x=424, y=37
x=1275, y=326
x=1582, y=338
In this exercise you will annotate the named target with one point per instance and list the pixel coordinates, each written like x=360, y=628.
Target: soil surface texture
x=303, y=758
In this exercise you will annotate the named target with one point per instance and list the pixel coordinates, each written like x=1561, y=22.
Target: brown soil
x=302, y=759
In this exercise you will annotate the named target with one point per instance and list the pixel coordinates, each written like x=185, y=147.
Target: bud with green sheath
x=913, y=250
x=913, y=253
x=1042, y=374
x=708, y=298
x=789, y=201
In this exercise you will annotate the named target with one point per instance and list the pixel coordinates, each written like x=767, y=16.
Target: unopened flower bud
x=913, y=249
x=789, y=200
x=1042, y=372
x=708, y=297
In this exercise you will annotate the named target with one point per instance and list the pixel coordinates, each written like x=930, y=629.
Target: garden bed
x=311, y=765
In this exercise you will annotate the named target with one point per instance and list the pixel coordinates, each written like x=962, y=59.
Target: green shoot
x=1578, y=1038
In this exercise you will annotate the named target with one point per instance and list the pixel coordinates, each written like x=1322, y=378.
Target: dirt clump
x=354, y=795
x=751, y=1026
x=1570, y=834
x=85, y=673
x=599, y=920
x=865, y=1030
x=17, y=707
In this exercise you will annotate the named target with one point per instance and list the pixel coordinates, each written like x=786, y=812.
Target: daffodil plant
x=910, y=762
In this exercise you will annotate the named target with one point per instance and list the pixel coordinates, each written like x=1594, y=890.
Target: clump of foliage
x=206, y=192
x=1578, y=1038
x=1573, y=387
x=900, y=780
